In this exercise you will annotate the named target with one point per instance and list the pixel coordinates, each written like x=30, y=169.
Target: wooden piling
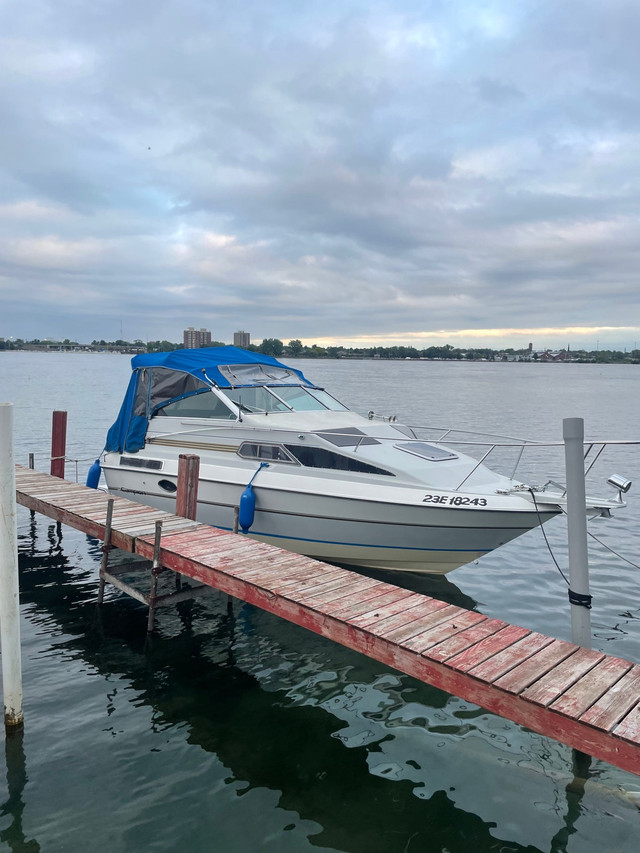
x=187, y=494
x=106, y=548
x=58, y=443
x=156, y=568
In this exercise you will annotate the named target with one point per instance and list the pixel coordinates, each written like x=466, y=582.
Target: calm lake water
x=245, y=733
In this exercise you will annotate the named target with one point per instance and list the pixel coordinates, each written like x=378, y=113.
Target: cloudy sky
x=352, y=171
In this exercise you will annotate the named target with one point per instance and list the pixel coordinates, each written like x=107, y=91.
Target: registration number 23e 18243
x=454, y=500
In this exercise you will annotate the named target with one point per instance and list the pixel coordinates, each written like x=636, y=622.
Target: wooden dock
x=582, y=698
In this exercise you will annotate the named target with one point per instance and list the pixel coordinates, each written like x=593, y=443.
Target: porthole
x=168, y=486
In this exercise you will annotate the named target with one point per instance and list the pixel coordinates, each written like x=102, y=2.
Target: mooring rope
x=620, y=556
x=553, y=556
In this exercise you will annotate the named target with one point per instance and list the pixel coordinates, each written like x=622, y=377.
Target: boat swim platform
x=582, y=698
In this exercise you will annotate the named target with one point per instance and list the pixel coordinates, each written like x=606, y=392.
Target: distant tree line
x=20, y=343
x=296, y=349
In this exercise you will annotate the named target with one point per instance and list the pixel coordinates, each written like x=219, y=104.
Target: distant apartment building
x=194, y=338
x=241, y=339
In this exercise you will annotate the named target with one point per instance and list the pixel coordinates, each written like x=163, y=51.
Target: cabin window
x=427, y=451
x=168, y=486
x=318, y=457
x=205, y=405
x=272, y=452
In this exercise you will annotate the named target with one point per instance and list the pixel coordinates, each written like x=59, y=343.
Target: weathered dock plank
x=616, y=703
x=564, y=686
x=422, y=639
x=582, y=698
x=465, y=639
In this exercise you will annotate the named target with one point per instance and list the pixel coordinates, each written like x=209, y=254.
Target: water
x=245, y=733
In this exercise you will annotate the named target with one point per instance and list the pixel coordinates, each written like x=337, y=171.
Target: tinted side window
x=274, y=452
x=318, y=457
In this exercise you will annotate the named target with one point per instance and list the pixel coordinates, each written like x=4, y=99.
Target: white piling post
x=573, y=434
x=9, y=585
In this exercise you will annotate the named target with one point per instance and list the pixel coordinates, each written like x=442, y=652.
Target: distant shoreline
x=604, y=358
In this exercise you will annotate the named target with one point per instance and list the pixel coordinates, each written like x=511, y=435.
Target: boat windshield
x=255, y=400
x=327, y=400
x=306, y=400
x=282, y=399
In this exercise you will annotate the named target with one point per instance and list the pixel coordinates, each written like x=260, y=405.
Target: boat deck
x=585, y=699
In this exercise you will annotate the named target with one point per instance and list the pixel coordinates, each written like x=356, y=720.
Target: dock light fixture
x=620, y=483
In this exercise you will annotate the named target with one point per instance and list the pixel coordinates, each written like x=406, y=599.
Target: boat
x=307, y=474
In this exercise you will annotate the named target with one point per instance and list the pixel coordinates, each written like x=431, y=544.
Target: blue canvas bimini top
x=162, y=378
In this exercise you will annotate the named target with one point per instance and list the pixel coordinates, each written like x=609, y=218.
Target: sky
x=353, y=173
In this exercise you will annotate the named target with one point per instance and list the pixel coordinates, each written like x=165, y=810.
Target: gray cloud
x=318, y=170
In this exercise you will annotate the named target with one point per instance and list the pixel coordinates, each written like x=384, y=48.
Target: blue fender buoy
x=93, y=477
x=247, y=505
x=246, y=509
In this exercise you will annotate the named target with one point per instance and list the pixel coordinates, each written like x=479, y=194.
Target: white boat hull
x=400, y=533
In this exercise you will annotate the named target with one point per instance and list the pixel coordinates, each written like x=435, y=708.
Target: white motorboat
x=325, y=481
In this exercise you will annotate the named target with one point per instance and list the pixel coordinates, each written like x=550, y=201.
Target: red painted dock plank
x=297, y=577
x=582, y=698
x=465, y=639
x=406, y=632
x=291, y=581
x=531, y=670
x=497, y=665
x=616, y=702
x=419, y=636
x=448, y=629
x=365, y=598
x=565, y=690
x=386, y=595
x=404, y=608
x=487, y=648
x=629, y=728
x=317, y=597
x=407, y=623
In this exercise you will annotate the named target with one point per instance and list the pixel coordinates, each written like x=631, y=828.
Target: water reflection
x=435, y=586
x=13, y=807
x=575, y=791
x=251, y=690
